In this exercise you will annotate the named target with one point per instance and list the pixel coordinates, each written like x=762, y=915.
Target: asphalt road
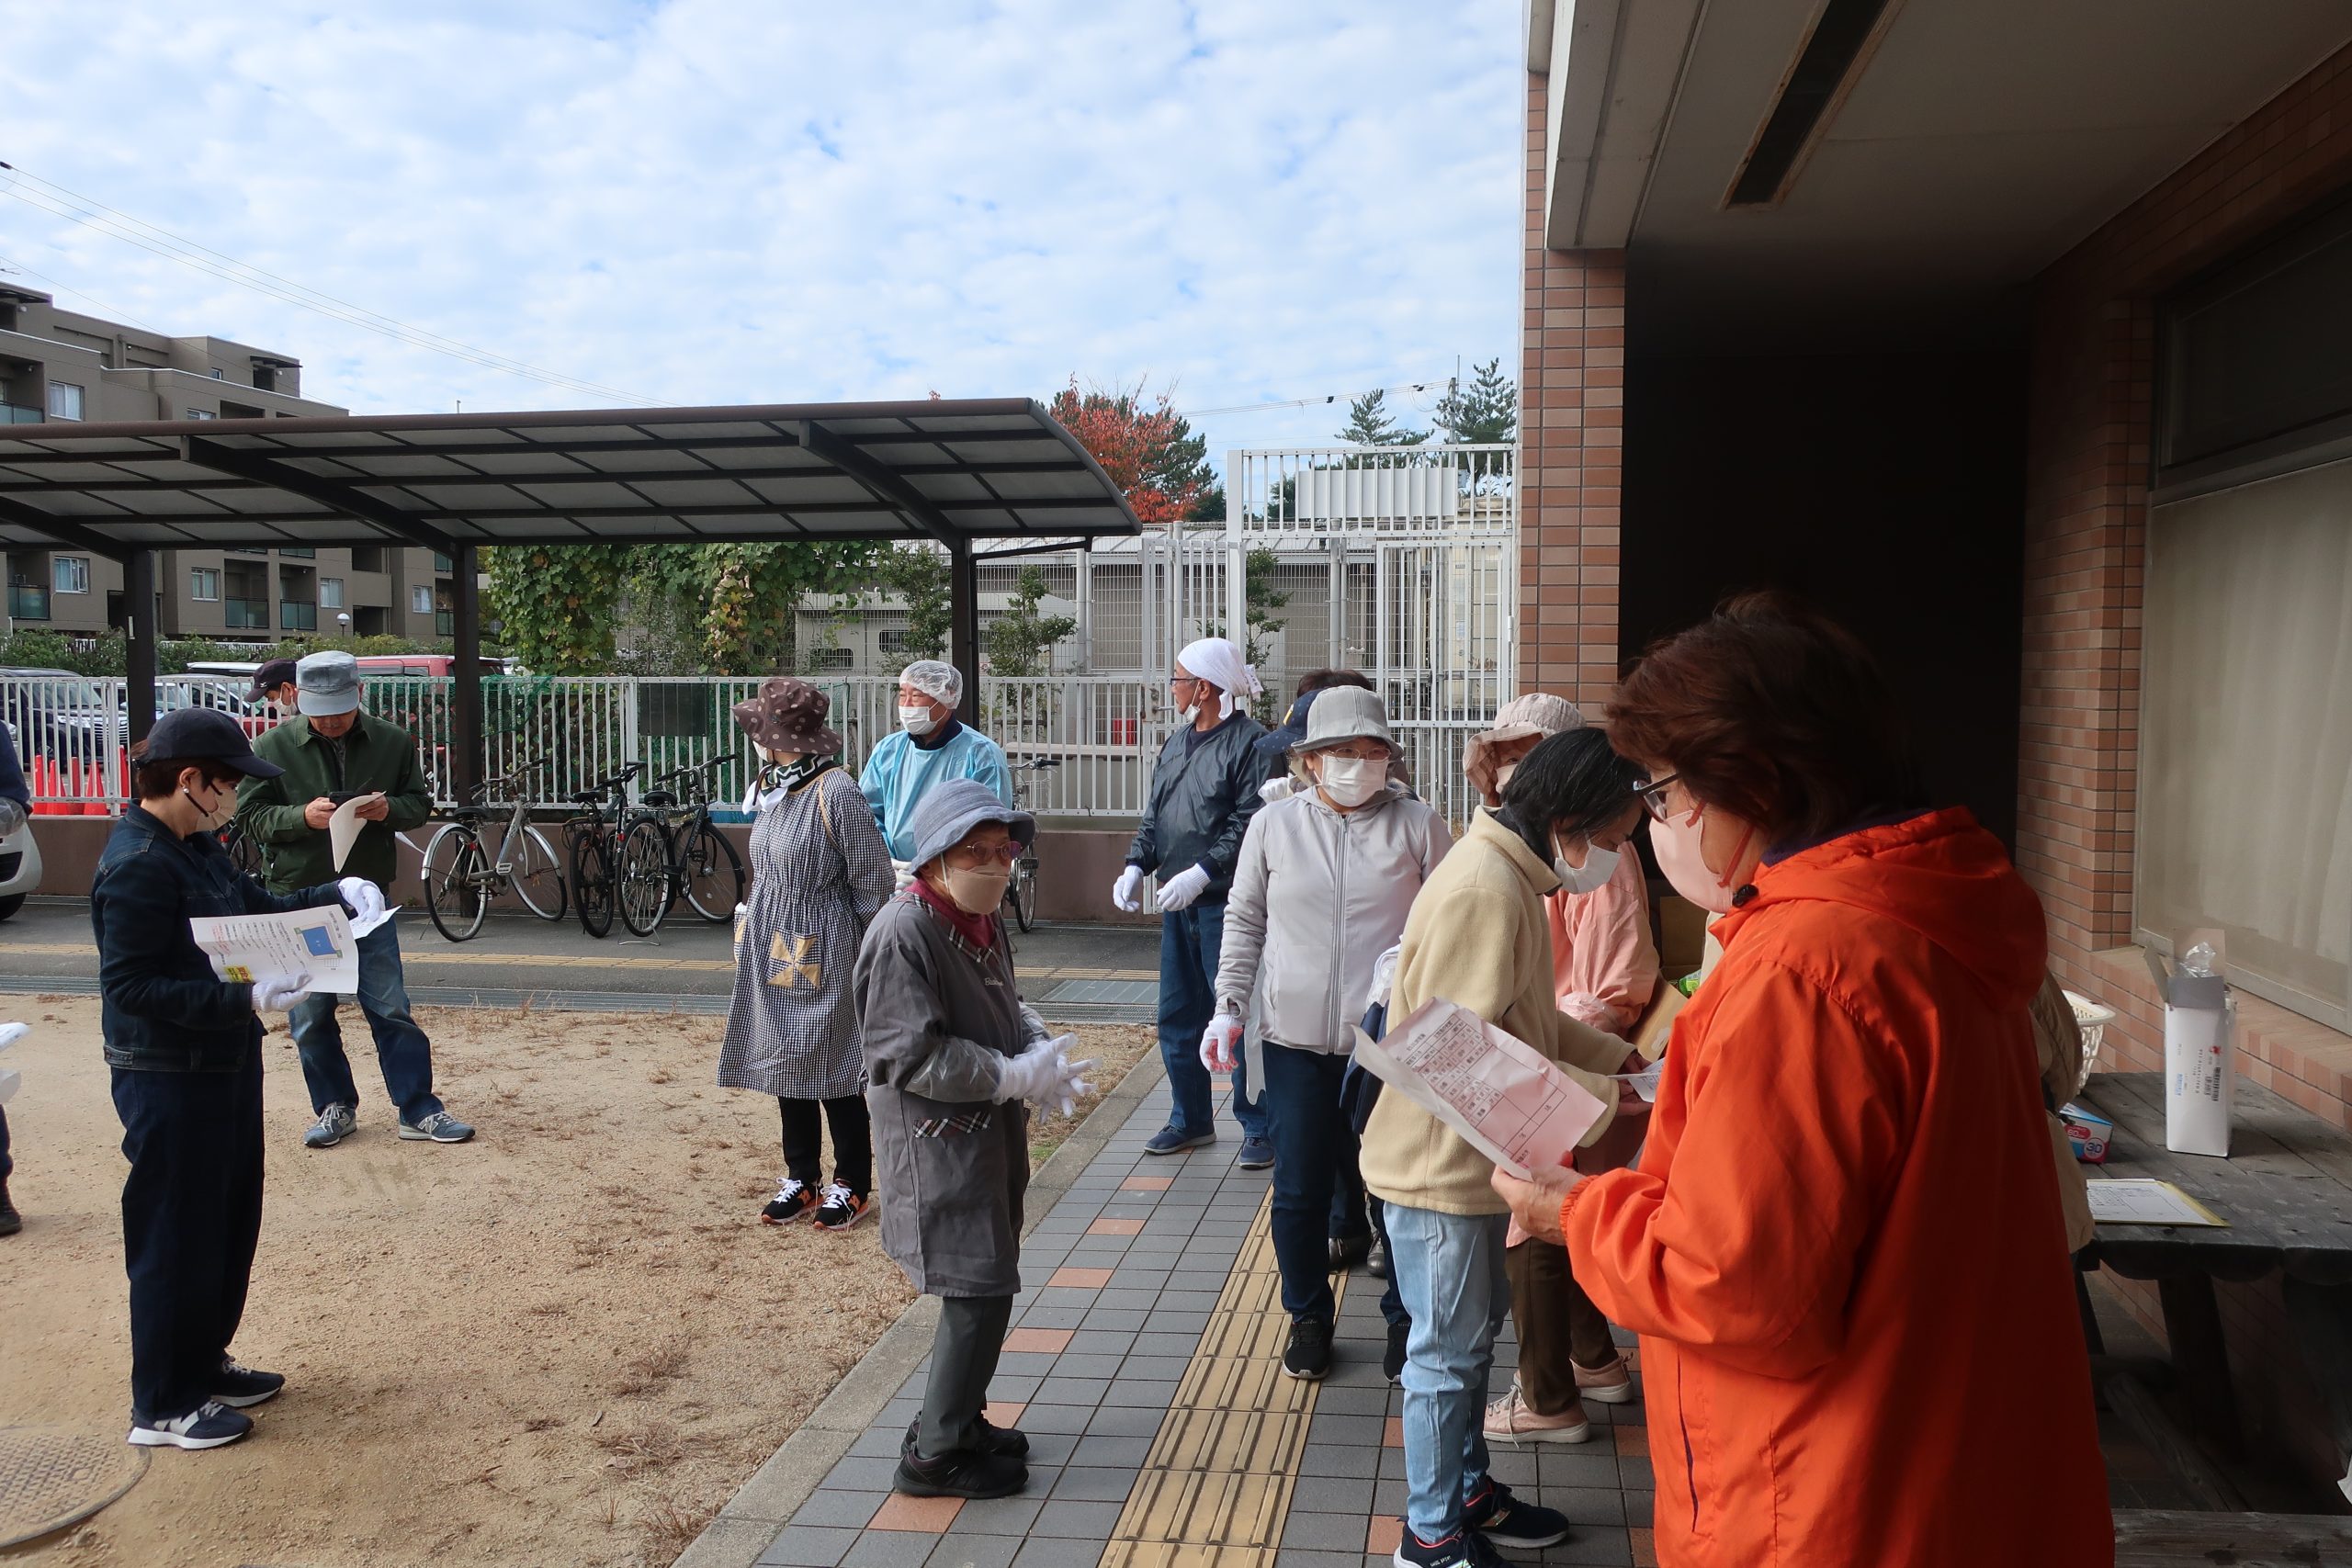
x=1077, y=974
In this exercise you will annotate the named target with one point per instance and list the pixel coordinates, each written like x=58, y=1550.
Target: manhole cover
x=50, y=1478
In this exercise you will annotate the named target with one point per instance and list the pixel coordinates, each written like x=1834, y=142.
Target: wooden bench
x=2154, y=1537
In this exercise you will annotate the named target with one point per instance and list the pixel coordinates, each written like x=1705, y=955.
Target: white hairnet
x=936, y=679
x=1220, y=663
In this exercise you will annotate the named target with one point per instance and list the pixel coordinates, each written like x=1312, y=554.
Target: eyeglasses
x=971, y=857
x=1653, y=797
x=1373, y=753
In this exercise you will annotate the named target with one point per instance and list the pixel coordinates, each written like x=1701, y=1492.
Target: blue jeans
x=401, y=1049
x=1312, y=1141
x=1189, y=940
x=1449, y=1270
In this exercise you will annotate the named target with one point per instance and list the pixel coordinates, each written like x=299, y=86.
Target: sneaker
x=11, y=1222
x=336, y=1123
x=1463, y=1549
x=1493, y=1512
x=793, y=1199
x=1347, y=1251
x=841, y=1209
x=1375, y=1262
x=1006, y=1443
x=1257, y=1154
x=1168, y=1141
x=1511, y=1419
x=967, y=1473
x=1612, y=1384
x=438, y=1128
x=241, y=1388
x=1392, y=1360
x=210, y=1426
x=1308, y=1354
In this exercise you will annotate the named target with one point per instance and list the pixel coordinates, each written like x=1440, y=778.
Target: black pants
x=7, y=1165
x=963, y=1354
x=1557, y=1325
x=852, y=1142
x=191, y=1215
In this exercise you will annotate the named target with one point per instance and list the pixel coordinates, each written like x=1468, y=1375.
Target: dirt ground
x=565, y=1343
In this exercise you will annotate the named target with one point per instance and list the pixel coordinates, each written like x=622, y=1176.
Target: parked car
x=19, y=862
x=59, y=714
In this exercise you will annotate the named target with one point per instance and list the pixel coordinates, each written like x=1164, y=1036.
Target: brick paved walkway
x=1143, y=1363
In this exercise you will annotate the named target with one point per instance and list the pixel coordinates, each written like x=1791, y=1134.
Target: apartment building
x=58, y=365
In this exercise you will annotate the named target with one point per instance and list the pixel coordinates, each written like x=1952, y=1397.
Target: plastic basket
x=2092, y=1019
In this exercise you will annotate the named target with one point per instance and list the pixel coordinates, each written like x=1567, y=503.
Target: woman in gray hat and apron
x=950, y=1054
x=818, y=873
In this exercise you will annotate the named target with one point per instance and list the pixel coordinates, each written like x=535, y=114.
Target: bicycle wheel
x=1022, y=893
x=591, y=880
x=454, y=877
x=244, y=852
x=712, y=874
x=646, y=886
x=538, y=876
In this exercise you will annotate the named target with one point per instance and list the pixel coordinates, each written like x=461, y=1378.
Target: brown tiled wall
x=2086, y=535
x=1571, y=422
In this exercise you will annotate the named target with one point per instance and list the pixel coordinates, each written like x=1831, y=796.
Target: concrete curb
x=761, y=1506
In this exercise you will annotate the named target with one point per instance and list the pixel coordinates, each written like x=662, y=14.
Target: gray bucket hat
x=327, y=684
x=1346, y=713
x=945, y=813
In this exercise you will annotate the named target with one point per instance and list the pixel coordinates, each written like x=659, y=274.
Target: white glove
x=1179, y=890
x=1034, y=1072
x=12, y=816
x=364, y=899
x=1068, y=1087
x=277, y=996
x=1219, y=1041
x=12, y=1032
x=1126, y=892
x=1273, y=790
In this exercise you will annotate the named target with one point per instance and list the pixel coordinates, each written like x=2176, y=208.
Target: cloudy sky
x=705, y=201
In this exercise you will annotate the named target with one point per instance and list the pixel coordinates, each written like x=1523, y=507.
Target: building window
x=893, y=642
x=65, y=401
x=204, y=583
x=218, y=375
x=73, y=574
x=331, y=593
x=202, y=414
x=830, y=659
x=420, y=600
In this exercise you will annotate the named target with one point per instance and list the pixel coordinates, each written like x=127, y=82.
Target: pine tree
x=1485, y=413
x=1369, y=425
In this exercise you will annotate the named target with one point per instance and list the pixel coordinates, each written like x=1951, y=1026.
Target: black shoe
x=793, y=1200
x=1005, y=1442
x=1466, y=1548
x=840, y=1210
x=1392, y=1360
x=1375, y=1262
x=11, y=1222
x=1493, y=1513
x=1257, y=1154
x=967, y=1473
x=211, y=1426
x=241, y=1388
x=1347, y=1251
x=1308, y=1354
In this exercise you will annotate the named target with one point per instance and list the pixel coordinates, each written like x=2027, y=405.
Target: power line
x=1329, y=398
x=58, y=201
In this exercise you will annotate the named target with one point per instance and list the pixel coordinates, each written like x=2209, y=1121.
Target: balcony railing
x=297, y=617
x=27, y=603
x=299, y=555
x=17, y=414
x=441, y=563
x=245, y=613
x=442, y=624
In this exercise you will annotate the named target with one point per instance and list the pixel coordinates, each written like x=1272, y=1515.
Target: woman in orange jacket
x=1842, y=1245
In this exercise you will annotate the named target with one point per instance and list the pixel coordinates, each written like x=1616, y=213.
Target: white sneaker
x=1512, y=1421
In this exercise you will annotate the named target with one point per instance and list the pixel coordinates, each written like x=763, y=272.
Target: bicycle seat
x=659, y=797
x=586, y=797
x=473, y=813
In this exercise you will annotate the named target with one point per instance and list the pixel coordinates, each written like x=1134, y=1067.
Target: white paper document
x=1495, y=1091
x=251, y=948
x=2137, y=1201
x=342, y=827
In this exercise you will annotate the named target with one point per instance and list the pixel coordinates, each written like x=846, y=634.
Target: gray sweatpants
x=963, y=1359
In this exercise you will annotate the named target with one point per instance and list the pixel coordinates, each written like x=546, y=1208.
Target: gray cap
x=950, y=810
x=1346, y=713
x=327, y=684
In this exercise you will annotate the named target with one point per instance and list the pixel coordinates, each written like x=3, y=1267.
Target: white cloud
x=750, y=200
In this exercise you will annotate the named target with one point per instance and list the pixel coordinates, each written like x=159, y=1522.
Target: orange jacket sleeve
x=1745, y=1239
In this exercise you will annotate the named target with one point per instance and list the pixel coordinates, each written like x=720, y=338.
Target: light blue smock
x=898, y=773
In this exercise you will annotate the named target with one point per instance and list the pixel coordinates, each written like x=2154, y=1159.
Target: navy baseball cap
x=187, y=735
x=277, y=673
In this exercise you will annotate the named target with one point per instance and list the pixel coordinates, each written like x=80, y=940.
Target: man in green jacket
x=335, y=751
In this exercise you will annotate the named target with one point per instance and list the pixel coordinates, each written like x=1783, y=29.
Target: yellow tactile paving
x=1217, y=1485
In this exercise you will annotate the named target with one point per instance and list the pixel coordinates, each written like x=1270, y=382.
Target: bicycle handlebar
x=682, y=770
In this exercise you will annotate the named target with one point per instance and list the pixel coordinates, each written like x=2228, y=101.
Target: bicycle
x=461, y=877
x=245, y=852
x=595, y=848
x=702, y=867
x=1020, y=893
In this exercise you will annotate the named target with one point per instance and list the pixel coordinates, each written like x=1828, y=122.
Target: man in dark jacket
x=1204, y=792
x=184, y=1047
x=333, y=752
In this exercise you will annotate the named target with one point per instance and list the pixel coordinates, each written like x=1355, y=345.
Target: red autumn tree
x=1147, y=448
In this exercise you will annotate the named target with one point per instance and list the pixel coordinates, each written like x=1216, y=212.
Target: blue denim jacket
x=164, y=1010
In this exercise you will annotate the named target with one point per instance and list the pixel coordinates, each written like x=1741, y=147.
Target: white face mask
x=1680, y=856
x=1191, y=713
x=978, y=890
x=1599, y=866
x=212, y=821
x=917, y=720
x=1351, y=780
